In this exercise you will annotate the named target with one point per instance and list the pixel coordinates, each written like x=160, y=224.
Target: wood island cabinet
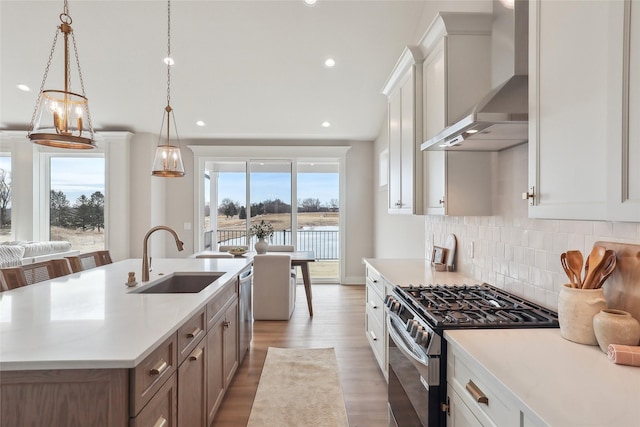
x=179, y=384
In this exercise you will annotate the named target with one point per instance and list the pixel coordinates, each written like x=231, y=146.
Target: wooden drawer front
x=376, y=337
x=151, y=373
x=375, y=305
x=190, y=334
x=374, y=279
x=162, y=410
x=215, y=306
x=470, y=384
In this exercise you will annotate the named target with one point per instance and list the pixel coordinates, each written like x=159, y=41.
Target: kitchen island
x=87, y=335
x=529, y=377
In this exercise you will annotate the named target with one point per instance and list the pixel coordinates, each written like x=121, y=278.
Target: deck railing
x=324, y=243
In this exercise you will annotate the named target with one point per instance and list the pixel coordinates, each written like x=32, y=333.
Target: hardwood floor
x=338, y=322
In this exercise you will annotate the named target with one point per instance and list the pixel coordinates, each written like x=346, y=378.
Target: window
x=5, y=198
x=76, y=206
x=270, y=196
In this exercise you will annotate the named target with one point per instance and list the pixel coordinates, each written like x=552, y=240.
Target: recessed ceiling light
x=168, y=60
x=326, y=124
x=200, y=123
x=23, y=88
x=329, y=62
x=310, y=2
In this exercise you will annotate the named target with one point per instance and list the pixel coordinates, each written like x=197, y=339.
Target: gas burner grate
x=480, y=306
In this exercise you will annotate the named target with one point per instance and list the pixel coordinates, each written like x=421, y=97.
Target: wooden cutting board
x=450, y=253
x=622, y=288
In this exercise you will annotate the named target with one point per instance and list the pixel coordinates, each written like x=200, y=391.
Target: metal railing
x=324, y=243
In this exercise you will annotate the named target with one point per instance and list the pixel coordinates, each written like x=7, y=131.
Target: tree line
x=86, y=214
x=229, y=208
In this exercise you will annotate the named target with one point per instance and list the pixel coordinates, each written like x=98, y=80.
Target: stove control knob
x=411, y=324
x=423, y=338
x=416, y=332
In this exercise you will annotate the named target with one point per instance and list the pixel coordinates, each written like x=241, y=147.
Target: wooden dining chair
x=15, y=277
x=89, y=260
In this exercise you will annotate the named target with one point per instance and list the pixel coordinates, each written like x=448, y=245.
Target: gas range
x=474, y=306
x=417, y=317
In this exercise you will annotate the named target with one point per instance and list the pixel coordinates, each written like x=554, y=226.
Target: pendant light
x=61, y=117
x=168, y=159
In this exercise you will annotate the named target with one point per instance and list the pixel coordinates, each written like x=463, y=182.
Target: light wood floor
x=338, y=322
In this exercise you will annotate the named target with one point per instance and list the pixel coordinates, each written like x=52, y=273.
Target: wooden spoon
x=595, y=258
x=607, y=268
x=574, y=262
x=565, y=265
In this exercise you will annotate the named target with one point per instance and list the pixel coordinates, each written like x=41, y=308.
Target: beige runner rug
x=299, y=387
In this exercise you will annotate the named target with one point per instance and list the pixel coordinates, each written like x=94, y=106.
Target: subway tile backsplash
x=514, y=252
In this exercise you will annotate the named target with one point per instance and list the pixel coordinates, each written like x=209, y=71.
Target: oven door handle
x=401, y=345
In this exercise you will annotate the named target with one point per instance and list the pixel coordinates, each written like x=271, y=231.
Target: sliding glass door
x=270, y=195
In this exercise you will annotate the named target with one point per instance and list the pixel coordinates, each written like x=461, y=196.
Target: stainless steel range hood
x=500, y=119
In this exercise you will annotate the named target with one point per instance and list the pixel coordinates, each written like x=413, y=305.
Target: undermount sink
x=181, y=283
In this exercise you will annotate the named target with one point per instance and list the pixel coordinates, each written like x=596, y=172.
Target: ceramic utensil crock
x=576, y=309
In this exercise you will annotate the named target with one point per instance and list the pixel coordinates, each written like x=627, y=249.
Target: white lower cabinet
x=476, y=398
x=375, y=318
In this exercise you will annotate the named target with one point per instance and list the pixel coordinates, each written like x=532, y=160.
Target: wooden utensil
x=595, y=258
x=565, y=265
x=607, y=267
x=574, y=262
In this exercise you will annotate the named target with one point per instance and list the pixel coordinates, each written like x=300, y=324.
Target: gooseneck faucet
x=145, y=257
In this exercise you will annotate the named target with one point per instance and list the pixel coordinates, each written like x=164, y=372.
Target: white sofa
x=274, y=287
x=17, y=253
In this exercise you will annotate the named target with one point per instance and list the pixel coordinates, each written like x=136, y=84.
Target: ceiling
x=248, y=69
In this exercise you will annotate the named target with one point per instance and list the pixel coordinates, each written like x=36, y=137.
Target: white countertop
x=92, y=320
x=560, y=383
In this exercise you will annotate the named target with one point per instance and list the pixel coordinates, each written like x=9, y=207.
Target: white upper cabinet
x=624, y=151
x=404, y=91
x=456, y=75
x=456, y=69
x=584, y=87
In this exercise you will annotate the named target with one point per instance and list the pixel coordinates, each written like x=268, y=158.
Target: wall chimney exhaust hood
x=501, y=119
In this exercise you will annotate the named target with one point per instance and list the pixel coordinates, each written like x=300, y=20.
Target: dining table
x=298, y=259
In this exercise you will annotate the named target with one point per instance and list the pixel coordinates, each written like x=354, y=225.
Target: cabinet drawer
x=375, y=304
x=190, y=334
x=473, y=387
x=376, y=336
x=374, y=279
x=161, y=411
x=151, y=373
x=214, y=306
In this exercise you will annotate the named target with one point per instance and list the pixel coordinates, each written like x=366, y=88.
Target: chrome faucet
x=145, y=258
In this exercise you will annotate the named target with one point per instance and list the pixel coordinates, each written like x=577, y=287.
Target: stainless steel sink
x=181, y=283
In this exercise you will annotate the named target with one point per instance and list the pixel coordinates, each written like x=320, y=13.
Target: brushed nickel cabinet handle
x=159, y=369
x=193, y=333
x=226, y=323
x=373, y=336
x=373, y=304
x=477, y=394
x=196, y=354
x=162, y=421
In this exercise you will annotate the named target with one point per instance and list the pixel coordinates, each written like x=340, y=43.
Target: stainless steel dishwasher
x=245, y=312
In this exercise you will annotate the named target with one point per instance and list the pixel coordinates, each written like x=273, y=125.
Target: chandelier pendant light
x=168, y=159
x=61, y=117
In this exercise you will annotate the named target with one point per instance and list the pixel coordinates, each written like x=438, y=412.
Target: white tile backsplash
x=514, y=252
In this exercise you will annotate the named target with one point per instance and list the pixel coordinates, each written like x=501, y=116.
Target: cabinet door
x=407, y=143
x=435, y=118
x=459, y=414
x=395, y=159
x=434, y=171
x=230, y=332
x=192, y=387
x=215, y=372
x=568, y=132
x=624, y=154
x=161, y=410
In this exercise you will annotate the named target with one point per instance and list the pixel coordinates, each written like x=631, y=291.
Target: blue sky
x=271, y=186
x=75, y=177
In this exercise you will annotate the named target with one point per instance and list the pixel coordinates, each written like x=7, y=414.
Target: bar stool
x=16, y=277
x=89, y=260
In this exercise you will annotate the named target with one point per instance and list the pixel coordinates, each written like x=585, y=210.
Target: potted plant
x=262, y=231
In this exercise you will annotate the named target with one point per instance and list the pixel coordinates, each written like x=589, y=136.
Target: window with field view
x=5, y=198
x=311, y=223
x=76, y=201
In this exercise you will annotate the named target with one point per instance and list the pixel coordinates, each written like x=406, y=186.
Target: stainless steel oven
x=417, y=317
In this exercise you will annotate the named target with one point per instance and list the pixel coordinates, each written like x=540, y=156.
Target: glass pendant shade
x=61, y=121
x=168, y=162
